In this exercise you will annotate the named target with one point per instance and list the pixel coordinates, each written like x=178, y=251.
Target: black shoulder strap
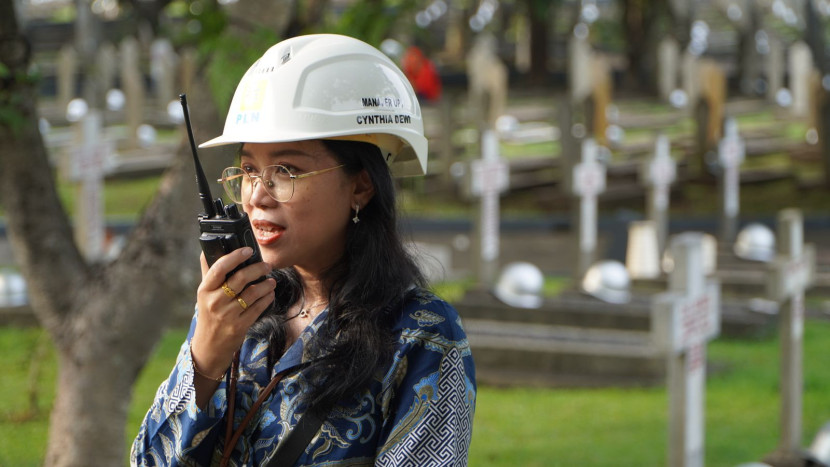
x=297, y=441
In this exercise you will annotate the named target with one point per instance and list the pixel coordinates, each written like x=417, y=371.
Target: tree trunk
x=750, y=61
x=814, y=35
x=117, y=315
x=90, y=412
x=302, y=17
x=640, y=22
x=538, y=18
x=103, y=319
x=635, y=41
x=681, y=13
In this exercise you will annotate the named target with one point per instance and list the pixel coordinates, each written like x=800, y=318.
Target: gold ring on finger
x=242, y=303
x=228, y=290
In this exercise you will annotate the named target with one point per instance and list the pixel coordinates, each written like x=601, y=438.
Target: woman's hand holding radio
x=226, y=310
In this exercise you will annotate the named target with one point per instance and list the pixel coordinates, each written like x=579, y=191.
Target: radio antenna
x=201, y=180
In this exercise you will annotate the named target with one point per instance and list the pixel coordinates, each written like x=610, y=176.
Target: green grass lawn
x=513, y=426
x=123, y=198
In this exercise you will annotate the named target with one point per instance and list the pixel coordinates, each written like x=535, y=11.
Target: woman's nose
x=259, y=195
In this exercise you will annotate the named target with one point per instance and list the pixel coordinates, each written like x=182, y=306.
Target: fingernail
x=247, y=251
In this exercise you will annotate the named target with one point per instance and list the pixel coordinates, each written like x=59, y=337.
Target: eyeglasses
x=277, y=180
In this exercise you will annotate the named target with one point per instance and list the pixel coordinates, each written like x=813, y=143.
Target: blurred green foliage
x=227, y=55
x=373, y=21
x=230, y=57
x=11, y=100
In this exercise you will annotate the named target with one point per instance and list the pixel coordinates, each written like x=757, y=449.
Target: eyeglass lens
x=276, y=179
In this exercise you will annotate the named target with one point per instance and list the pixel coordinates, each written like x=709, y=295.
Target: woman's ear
x=364, y=189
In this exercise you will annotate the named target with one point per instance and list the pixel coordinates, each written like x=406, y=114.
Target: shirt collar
x=296, y=355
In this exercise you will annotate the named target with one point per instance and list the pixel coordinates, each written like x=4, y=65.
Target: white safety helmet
x=755, y=242
x=327, y=86
x=710, y=255
x=820, y=447
x=608, y=281
x=520, y=285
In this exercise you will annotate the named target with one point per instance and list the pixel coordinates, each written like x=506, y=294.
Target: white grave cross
x=490, y=176
x=587, y=184
x=87, y=167
x=682, y=321
x=658, y=173
x=791, y=273
x=731, y=154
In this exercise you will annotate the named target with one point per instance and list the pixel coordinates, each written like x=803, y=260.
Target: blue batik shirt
x=418, y=413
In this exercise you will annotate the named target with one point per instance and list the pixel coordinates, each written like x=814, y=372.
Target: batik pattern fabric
x=418, y=413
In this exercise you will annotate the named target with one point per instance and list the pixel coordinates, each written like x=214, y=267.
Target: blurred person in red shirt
x=421, y=73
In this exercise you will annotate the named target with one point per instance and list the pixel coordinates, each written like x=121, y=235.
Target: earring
x=356, y=219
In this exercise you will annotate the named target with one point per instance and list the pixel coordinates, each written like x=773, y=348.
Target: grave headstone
x=487, y=77
x=775, y=68
x=580, y=57
x=590, y=83
x=66, y=77
x=790, y=274
x=587, y=183
x=133, y=86
x=600, y=99
x=187, y=68
x=455, y=36
x=800, y=69
x=163, y=63
x=571, y=135
x=523, y=45
x=668, y=57
x=683, y=320
x=106, y=63
x=711, y=104
x=446, y=149
x=642, y=255
x=818, y=101
x=731, y=154
x=658, y=173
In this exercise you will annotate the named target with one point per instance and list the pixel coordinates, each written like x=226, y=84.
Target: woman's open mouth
x=266, y=232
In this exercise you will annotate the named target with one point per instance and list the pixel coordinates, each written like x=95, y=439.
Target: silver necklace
x=304, y=312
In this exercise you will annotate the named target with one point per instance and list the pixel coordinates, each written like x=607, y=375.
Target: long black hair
x=368, y=288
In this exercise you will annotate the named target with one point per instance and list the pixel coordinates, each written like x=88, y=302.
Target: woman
x=340, y=350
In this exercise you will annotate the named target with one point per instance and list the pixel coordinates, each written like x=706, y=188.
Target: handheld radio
x=223, y=227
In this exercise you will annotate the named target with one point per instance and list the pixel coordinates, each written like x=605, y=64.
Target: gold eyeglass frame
x=254, y=181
